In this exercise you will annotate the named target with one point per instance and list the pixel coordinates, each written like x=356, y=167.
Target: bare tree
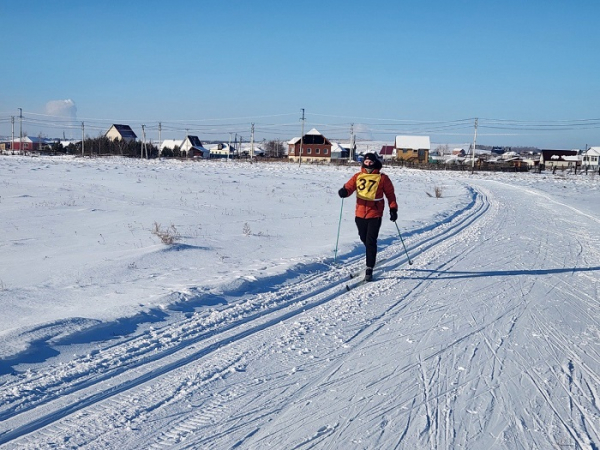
x=274, y=148
x=442, y=150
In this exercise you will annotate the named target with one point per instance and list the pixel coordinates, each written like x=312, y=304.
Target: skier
x=370, y=186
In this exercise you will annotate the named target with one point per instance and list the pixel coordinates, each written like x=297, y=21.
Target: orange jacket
x=368, y=209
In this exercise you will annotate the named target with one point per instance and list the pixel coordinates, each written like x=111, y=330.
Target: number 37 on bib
x=367, y=185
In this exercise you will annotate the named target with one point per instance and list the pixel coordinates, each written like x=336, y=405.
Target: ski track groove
x=433, y=408
x=397, y=307
x=137, y=352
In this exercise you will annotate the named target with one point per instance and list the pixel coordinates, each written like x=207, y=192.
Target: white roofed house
x=250, y=150
x=293, y=148
x=190, y=147
x=315, y=148
x=412, y=148
x=591, y=158
x=169, y=145
x=222, y=150
x=339, y=152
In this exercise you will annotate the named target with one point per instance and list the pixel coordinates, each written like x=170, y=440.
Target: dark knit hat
x=373, y=157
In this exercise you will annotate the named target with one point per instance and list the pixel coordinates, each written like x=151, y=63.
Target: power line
x=268, y=126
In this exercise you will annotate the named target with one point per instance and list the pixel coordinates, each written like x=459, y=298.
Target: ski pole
x=402, y=240
x=338, y=233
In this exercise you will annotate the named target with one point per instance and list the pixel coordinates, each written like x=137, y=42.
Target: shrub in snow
x=167, y=236
x=437, y=192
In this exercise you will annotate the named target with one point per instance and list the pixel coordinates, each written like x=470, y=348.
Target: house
x=28, y=143
x=171, y=144
x=121, y=133
x=387, y=152
x=314, y=146
x=250, y=150
x=70, y=142
x=412, y=148
x=190, y=147
x=553, y=159
x=439, y=154
x=222, y=151
x=339, y=152
x=500, y=150
x=591, y=158
x=193, y=148
x=507, y=159
x=532, y=161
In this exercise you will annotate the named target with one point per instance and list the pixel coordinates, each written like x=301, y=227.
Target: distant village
x=314, y=147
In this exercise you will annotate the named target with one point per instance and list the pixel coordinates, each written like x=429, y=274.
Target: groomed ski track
x=455, y=351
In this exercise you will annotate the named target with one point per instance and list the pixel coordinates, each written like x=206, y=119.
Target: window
x=308, y=151
x=325, y=151
x=317, y=150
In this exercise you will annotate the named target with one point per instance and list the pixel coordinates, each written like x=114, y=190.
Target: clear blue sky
x=529, y=70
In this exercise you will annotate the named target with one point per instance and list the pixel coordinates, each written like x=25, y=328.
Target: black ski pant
x=368, y=230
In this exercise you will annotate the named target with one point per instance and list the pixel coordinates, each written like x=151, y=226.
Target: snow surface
x=244, y=334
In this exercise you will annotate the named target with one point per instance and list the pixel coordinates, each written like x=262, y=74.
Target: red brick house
x=315, y=147
x=27, y=143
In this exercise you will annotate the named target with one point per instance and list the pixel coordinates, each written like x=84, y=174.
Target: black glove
x=393, y=214
x=343, y=192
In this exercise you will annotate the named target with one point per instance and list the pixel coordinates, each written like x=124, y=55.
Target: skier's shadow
x=451, y=275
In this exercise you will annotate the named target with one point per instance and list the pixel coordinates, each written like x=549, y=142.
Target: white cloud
x=62, y=108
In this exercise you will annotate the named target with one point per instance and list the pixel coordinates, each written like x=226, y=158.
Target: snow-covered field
x=244, y=334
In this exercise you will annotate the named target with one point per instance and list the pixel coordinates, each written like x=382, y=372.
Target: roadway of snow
x=491, y=339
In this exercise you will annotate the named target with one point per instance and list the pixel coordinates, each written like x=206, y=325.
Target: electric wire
x=269, y=127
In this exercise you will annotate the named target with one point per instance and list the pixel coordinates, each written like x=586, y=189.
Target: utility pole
x=20, y=129
x=252, y=143
x=12, y=139
x=474, y=144
x=82, y=137
x=301, y=140
x=144, y=150
x=229, y=147
x=351, y=153
x=159, y=136
x=187, y=131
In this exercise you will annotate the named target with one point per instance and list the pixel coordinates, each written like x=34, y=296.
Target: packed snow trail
x=480, y=347
x=490, y=340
